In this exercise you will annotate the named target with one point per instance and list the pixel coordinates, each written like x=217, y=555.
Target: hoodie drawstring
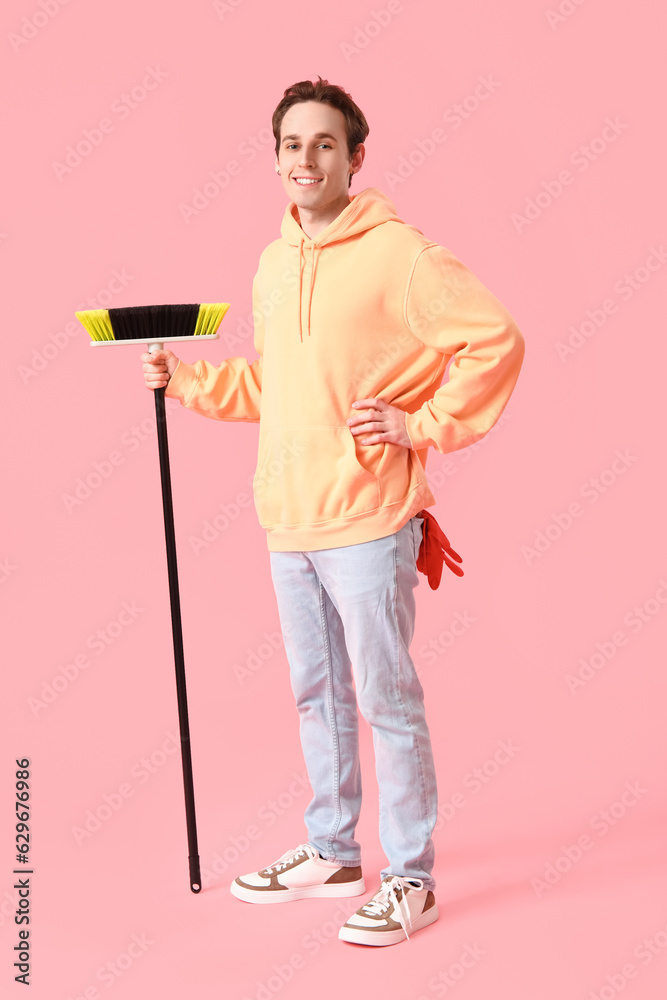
x=300, y=288
x=302, y=262
x=312, y=285
x=370, y=208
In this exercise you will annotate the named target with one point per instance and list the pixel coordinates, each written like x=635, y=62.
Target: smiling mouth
x=307, y=181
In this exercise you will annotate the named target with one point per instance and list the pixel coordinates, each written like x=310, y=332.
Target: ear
x=358, y=158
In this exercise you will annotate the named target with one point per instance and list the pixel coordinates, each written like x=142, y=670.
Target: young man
x=347, y=391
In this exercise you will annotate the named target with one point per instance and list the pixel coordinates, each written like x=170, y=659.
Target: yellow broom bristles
x=209, y=318
x=97, y=323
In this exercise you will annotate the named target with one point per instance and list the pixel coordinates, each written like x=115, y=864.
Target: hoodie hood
x=366, y=210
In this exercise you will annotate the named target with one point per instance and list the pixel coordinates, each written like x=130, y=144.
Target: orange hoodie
x=369, y=308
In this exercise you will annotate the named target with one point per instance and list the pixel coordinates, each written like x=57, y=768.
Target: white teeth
x=314, y=180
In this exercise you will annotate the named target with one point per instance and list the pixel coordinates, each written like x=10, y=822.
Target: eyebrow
x=318, y=135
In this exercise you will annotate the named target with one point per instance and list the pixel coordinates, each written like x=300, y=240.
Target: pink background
x=600, y=928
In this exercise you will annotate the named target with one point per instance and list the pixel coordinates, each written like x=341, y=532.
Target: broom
x=156, y=326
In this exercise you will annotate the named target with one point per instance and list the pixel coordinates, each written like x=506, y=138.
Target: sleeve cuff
x=416, y=443
x=183, y=382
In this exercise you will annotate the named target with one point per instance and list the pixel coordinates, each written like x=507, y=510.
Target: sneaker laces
x=289, y=856
x=386, y=896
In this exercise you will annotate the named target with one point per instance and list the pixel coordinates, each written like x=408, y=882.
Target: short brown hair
x=328, y=93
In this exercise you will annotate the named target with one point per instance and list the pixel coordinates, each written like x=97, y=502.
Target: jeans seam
x=332, y=724
x=422, y=778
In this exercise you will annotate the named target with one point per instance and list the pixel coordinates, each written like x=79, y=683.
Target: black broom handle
x=177, y=632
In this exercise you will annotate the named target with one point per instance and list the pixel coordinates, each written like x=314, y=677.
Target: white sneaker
x=298, y=874
x=400, y=905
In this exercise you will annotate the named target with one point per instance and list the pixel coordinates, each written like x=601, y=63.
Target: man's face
x=313, y=157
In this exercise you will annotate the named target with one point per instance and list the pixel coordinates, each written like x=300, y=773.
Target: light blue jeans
x=344, y=612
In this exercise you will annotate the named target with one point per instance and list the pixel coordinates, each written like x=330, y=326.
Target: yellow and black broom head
x=153, y=325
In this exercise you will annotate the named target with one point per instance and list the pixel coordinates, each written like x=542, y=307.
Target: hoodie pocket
x=307, y=475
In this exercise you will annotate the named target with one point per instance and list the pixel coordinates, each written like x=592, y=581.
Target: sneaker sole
x=359, y=935
x=304, y=892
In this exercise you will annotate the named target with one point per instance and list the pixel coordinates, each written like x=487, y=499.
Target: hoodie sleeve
x=451, y=311
x=232, y=391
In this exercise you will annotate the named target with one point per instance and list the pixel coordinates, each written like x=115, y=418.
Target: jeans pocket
x=417, y=533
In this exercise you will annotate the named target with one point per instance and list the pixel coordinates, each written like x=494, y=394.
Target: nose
x=306, y=159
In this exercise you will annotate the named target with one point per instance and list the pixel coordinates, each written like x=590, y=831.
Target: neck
x=313, y=222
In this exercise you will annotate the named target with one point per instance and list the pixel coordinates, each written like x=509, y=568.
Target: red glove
x=434, y=550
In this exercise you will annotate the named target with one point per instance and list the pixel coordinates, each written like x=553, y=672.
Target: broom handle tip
x=195, y=874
